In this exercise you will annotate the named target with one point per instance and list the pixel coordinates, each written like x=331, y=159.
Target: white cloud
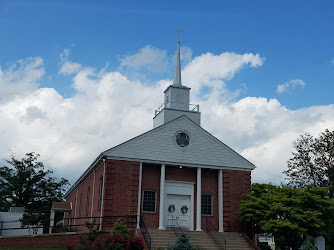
x=69, y=133
x=64, y=55
x=332, y=61
x=185, y=54
x=68, y=67
x=263, y=131
x=149, y=58
x=209, y=71
x=20, y=77
x=288, y=86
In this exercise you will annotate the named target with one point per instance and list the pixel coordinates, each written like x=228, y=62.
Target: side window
x=206, y=204
x=149, y=200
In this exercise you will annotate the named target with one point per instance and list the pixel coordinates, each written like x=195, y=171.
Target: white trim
x=52, y=220
x=104, y=181
x=91, y=209
x=162, y=197
x=181, y=182
x=177, y=163
x=75, y=209
x=199, y=199
x=220, y=201
x=139, y=193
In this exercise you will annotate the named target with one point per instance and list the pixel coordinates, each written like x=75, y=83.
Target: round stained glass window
x=182, y=139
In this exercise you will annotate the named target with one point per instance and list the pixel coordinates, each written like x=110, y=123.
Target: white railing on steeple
x=158, y=110
x=192, y=107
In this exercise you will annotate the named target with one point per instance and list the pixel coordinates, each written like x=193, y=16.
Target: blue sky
x=292, y=39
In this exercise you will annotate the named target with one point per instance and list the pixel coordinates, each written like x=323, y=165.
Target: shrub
x=136, y=244
x=114, y=243
x=182, y=243
x=119, y=238
x=92, y=235
x=120, y=229
x=119, y=243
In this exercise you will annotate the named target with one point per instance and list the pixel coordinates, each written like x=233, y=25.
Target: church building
x=177, y=171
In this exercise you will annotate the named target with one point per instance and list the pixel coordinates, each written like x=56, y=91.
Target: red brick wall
x=121, y=191
x=235, y=183
x=210, y=186
x=82, y=190
x=48, y=241
x=151, y=181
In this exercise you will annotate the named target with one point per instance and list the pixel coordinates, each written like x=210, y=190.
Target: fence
x=14, y=227
x=71, y=232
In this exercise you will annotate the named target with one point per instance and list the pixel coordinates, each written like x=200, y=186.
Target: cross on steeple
x=178, y=34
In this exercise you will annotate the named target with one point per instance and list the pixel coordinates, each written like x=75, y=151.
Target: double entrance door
x=178, y=210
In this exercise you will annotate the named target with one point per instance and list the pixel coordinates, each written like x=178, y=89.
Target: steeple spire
x=176, y=100
x=177, y=72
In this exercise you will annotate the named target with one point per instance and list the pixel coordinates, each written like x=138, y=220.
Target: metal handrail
x=145, y=233
x=177, y=229
x=213, y=235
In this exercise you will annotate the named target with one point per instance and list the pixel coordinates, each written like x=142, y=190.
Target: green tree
x=325, y=155
x=312, y=162
x=25, y=183
x=288, y=213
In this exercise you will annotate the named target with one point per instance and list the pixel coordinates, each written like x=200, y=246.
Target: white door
x=178, y=208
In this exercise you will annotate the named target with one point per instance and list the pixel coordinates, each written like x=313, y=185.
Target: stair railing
x=176, y=227
x=216, y=236
x=145, y=233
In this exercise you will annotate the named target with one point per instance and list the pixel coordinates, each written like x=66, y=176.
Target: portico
x=181, y=200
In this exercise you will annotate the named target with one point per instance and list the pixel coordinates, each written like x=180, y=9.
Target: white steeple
x=177, y=98
x=177, y=72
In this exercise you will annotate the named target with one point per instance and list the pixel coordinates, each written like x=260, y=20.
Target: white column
x=139, y=193
x=52, y=220
x=220, y=200
x=162, y=198
x=76, y=202
x=103, y=185
x=199, y=201
x=91, y=209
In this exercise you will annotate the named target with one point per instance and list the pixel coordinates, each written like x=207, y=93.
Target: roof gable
x=159, y=145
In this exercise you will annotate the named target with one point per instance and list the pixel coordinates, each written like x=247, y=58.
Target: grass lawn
x=35, y=248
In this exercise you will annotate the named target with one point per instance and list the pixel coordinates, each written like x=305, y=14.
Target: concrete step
x=199, y=240
x=167, y=238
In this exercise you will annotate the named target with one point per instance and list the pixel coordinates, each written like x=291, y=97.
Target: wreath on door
x=171, y=208
x=184, y=209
